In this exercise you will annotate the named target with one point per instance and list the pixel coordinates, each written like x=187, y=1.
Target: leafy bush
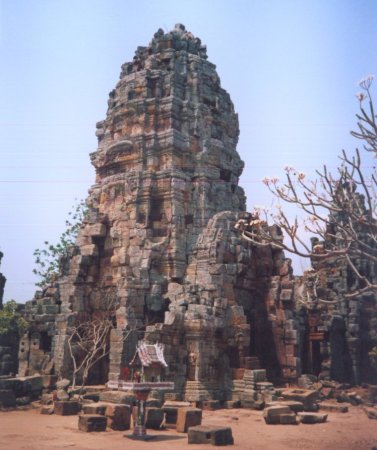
x=11, y=320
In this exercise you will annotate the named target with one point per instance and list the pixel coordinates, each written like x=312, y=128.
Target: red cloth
x=125, y=373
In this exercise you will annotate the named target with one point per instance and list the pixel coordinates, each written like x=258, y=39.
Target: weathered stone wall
x=341, y=329
x=8, y=341
x=38, y=344
x=342, y=316
x=159, y=237
x=8, y=353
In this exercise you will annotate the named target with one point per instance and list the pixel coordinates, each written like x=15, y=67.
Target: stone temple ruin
x=159, y=240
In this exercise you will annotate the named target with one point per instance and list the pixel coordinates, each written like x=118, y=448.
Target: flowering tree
x=339, y=210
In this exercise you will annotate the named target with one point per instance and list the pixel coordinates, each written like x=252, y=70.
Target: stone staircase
x=197, y=391
x=253, y=387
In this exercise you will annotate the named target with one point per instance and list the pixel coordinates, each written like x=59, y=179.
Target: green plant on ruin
x=338, y=209
x=48, y=259
x=11, y=320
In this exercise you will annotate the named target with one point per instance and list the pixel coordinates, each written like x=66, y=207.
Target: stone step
x=333, y=407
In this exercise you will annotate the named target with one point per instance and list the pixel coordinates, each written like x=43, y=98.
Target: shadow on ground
x=157, y=438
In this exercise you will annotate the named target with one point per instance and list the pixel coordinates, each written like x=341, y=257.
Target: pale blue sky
x=291, y=68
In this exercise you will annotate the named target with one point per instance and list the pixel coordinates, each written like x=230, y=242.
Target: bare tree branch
x=338, y=210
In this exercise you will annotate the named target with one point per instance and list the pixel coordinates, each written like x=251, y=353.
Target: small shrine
x=148, y=363
x=147, y=367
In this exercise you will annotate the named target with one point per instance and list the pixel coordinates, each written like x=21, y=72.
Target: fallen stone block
x=23, y=386
x=66, y=408
x=307, y=397
x=153, y=417
x=47, y=409
x=7, y=398
x=170, y=409
x=95, y=408
x=13, y=384
x=333, y=407
x=47, y=399
x=118, y=416
x=272, y=414
x=288, y=419
x=92, y=422
x=91, y=396
x=252, y=404
x=294, y=406
x=370, y=394
x=171, y=414
x=231, y=404
x=188, y=417
x=210, y=405
x=23, y=401
x=62, y=395
x=117, y=397
x=310, y=418
x=33, y=386
x=371, y=413
x=351, y=398
x=205, y=434
x=355, y=399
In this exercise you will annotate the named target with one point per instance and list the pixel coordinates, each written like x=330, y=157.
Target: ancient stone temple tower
x=159, y=238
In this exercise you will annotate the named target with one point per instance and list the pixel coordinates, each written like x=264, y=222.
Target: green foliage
x=47, y=259
x=11, y=320
x=373, y=357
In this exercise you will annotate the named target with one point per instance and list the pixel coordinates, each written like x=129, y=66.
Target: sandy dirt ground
x=30, y=430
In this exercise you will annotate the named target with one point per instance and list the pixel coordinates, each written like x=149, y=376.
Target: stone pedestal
x=141, y=391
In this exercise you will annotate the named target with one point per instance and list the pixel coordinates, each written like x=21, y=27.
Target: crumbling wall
x=342, y=315
x=342, y=328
